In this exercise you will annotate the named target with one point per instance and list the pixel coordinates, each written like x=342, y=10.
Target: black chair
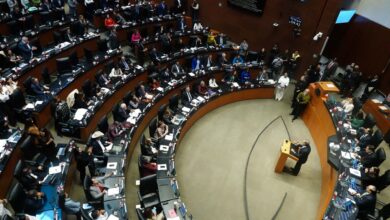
x=383, y=181
x=58, y=37
x=153, y=127
x=376, y=139
x=103, y=125
x=27, y=148
x=127, y=97
x=115, y=112
x=380, y=157
x=87, y=89
x=27, y=86
x=142, y=144
x=17, y=101
x=46, y=76
x=369, y=121
x=88, y=55
x=97, y=203
x=18, y=169
x=14, y=27
x=161, y=111
x=252, y=56
x=147, y=191
x=64, y=66
x=140, y=214
x=384, y=213
x=102, y=46
x=7, y=217
x=16, y=198
x=174, y=103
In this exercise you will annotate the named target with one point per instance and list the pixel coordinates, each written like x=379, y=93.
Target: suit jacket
x=221, y=40
x=206, y=61
x=186, y=99
x=194, y=63
x=122, y=115
x=303, y=154
x=37, y=89
x=25, y=51
x=366, y=203
x=95, y=191
x=368, y=160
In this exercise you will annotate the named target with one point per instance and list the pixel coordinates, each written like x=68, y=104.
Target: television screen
x=345, y=16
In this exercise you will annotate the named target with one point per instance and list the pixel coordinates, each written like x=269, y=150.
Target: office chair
x=194, y=88
x=115, y=112
x=64, y=65
x=87, y=89
x=161, y=110
x=252, y=56
x=27, y=86
x=96, y=203
x=174, y=103
x=380, y=155
x=369, y=121
x=88, y=55
x=376, y=139
x=46, y=76
x=29, y=23
x=16, y=198
x=127, y=97
x=383, y=181
x=142, y=145
x=58, y=37
x=7, y=217
x=14, y=27
x=140, y=214
x=357, y=105
x=102, y=46
x=103, y=125
x=153, y=127
x=109, y=65
x=45, y=17
x=17, y=101
x=18, y=169
x=147, y=191
x=27, y=148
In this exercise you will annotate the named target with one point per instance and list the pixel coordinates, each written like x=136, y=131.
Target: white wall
x=375, y=10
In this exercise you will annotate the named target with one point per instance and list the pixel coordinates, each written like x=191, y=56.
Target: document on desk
x=55, y=170
x=346, y=155
x=330, y=85
x=375, y=101
x=186, y=109
x=29, y=106
x=112, y=165
x=112, y=217
x=169, y=137
x=164, y=148
x=355, y=172
x=161, y=167
x=39, y=102
x=200, y=99
x=113, y=191
x=80, y=114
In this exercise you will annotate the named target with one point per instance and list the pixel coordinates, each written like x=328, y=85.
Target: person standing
x=195, y=10
x=300, y=86
x=283, y=82
x=301, y=151
x=302, y=99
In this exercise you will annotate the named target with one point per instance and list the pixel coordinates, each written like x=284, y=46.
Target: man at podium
x=301, y=151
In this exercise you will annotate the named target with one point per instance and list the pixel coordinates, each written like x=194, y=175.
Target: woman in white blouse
x=281, y=87
x=212, y=83
x=348, y=105
x=197, y=26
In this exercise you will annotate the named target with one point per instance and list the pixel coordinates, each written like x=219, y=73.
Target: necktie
x=189, y=96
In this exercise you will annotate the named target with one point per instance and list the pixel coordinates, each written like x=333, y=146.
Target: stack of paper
x=80, y=113
x=113, y=191
x=169, y=137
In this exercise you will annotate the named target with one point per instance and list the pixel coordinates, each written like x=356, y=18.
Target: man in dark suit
x=187, y=96
x=177, y=70
x=301, y=151
x=38, y=89
x=368, y=157
x=154, y=55
x=113, y=40
x=221, y=39
x=123, y=64
x=208, y=61
x=122, y=113
x=365, y=201
x=25, y=49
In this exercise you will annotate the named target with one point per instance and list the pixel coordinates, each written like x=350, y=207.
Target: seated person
x=187, y=96
x=347, y=105
x=245, y=76
x=32, y=179
x=5, y=130
x=42, y=137
x=116, y=74
x=99, y=214
x=109, y=22
x=365, y=201
x=143, y=95
x=104, y=81
x=136, y=37
x=211, y=39
x=202, y=89
x=161, y=131
x=231, y=77
x=165, y=76
x=68, y=205
x=263, y=75
x=369, y=176
x=97, y=188
x=167, y=116
x=197, y=26
x=123, y=113
x=3, y=210
x=198, y=42
x=38, y=89
x=124, y=64
x=148, y=166
x=26, y=50
x=365, y=137
x=222, y=60
x=99, y=143
x=115, y=130
x=357, y=121
x=119, y=18
x=34, y=201
x=196, y=63
x=221, y=39
x=368, y=156
x=134, y=102
x=237, y=59
x=79, y=101
x=154, y=85
x=177, y=70
x=154, y=55
x=212, y=83
x=151, y=214
x=13, y=58
x=208, y=62
x=150, y=147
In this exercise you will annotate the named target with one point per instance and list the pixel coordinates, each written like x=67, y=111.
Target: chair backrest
x=115, y=112
x=87, y=88
x=142, y=144
x=16, y=198
x=88, y=55
x=14, y=27
x=46, y=76
x=174, y=102
x=152, y=127
x=18, y=169
x=377, y=138
x=369, y=121
x=139, y=214
x=252, y=56
x=161, y=111
x=27, y=147
x=57, y=36
x=27, y=85
x=17, y=99
x=148, y=184
x=383, y=181
x=127, y=97
x=103, y=125
x=380, y=155
x=102, y=45
x=86, y=185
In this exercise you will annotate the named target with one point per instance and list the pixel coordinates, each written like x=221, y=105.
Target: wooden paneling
x=364, y=42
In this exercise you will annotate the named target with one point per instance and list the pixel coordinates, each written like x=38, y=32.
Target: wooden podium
x=284, y=154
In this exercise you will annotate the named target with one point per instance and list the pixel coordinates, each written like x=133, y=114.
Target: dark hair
x=95, y=214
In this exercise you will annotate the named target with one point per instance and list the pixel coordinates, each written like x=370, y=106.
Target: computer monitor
x=345, y=16
x=64, y=65
x=252, y=56
x=74, y=60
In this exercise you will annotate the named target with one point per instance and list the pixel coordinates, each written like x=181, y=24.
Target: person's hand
x=33, y=48
x=40, y=167
x=105, y=191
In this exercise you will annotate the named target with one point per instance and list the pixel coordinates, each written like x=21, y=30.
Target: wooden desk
x=285, y=150
x=382, y=121
x=320, y=125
